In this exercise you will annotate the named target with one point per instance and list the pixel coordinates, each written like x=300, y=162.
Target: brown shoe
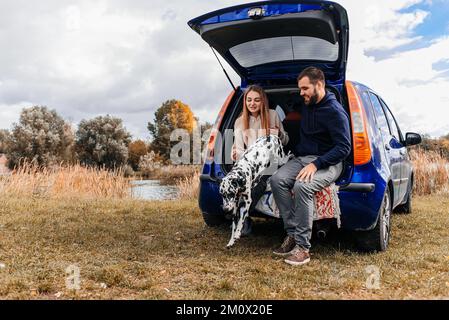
x=298, y=257
x=286, y=248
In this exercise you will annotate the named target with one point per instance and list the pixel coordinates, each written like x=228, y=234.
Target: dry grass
x=162, y=250
x=80, y=182
x=65, y=181
x=189, y=186
x=135, y=249
x=431, y=172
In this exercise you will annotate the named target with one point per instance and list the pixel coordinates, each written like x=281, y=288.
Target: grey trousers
x=297, y=211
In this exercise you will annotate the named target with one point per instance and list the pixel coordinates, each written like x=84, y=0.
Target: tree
x=136, y=150
x=173, y=114
x=150, y=163
x=4, y=135
x=206, y=126
x=41, y=136
x=102, y=141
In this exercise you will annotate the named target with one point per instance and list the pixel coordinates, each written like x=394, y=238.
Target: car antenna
x=227, y=76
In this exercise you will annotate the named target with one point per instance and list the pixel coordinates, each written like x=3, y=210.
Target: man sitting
x=324, y=143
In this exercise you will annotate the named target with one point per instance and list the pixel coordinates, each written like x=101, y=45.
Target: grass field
x=127, y=249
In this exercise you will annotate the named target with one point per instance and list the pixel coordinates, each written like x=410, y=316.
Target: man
x=324, y=143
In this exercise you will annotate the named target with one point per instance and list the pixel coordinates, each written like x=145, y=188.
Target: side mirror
x=412, y=139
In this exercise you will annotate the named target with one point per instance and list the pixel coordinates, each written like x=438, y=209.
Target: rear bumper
x=359, y=202
x=359, y=187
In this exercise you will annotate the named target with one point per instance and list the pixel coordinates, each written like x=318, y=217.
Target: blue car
x=269, y=43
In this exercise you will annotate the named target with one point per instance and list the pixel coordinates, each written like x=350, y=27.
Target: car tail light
x=216, y=128
x=361, y=142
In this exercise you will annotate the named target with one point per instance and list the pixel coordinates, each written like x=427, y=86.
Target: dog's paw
x=230, y=244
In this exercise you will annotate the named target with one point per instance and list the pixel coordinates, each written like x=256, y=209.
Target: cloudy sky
x=86, y=58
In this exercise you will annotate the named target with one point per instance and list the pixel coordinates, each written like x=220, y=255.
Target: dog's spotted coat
x=265, y=156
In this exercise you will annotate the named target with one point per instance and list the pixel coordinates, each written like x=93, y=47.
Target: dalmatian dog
x=264, y=157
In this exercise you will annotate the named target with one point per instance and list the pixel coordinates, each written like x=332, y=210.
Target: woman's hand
x=274, y=131
x=234, y=154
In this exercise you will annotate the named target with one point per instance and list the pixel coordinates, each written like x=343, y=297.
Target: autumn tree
x=136, y=150
x=102, y=141
x=41, y=136
x=173, y=114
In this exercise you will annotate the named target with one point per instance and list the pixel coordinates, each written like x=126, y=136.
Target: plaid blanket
x=327, y=204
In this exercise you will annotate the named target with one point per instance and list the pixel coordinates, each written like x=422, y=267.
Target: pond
x=152, y=190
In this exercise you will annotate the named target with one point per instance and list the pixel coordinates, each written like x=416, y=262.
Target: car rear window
x=263, y=51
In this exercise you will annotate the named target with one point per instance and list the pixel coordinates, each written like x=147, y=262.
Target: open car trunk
x=270, y=42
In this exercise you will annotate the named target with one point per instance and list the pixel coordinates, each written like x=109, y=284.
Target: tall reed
x=431, y=172
x=188, y=186
x=63, y=181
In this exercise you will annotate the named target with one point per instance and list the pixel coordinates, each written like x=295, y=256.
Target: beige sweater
x=244, y=139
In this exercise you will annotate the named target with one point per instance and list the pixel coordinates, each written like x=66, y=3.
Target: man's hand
x=307, y=173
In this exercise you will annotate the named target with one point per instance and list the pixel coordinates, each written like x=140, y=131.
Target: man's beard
x=313, y=99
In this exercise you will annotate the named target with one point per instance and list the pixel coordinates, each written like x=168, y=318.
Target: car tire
x=377, y=240
x=214, y=220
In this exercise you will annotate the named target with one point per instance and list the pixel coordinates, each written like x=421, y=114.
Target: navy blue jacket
x=324, y=132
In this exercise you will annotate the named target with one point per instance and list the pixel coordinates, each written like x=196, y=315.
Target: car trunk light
x=361, y=142
x=215, y=130
x=256, y=13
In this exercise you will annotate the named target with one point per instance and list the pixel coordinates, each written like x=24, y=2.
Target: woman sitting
x=257, y=120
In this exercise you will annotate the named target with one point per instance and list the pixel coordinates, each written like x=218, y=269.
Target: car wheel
x=214, y=220
x=377, y=240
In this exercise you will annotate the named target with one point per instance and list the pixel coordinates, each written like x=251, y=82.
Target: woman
x=257, y=120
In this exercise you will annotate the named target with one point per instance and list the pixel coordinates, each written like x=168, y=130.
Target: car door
x=390, y=146
x=397, y=143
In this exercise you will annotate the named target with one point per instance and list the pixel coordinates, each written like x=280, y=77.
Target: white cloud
x=10, y=113
x=379, y=25
x=406, y=80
